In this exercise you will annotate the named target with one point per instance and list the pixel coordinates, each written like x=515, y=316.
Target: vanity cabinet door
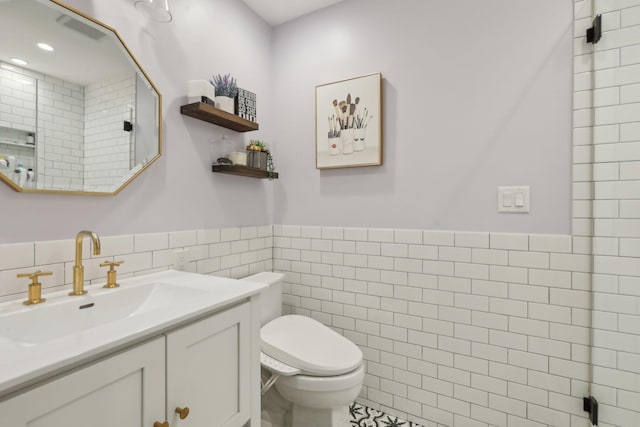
x=209, y=370
x=125, y=390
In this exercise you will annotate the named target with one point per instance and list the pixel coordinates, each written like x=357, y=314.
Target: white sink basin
x=38, y=324
x=47, y=338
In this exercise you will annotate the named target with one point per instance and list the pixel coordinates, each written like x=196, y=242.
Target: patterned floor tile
x=362, y=416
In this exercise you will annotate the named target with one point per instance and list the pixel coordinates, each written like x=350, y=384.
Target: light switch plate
x=513, y=199
x=507, y=199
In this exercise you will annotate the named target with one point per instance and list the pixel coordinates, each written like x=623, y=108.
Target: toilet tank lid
x=266, y=277
x=310, y=346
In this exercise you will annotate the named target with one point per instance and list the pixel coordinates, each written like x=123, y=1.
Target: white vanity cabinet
x=124, y=390
x=206, y=365
x=209, y=370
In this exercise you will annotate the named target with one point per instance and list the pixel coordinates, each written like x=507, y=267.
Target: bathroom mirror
x=77, y=112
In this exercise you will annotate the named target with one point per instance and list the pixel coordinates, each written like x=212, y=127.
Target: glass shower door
x=615, y=350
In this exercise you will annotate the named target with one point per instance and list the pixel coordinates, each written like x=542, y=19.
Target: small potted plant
x=257, y=154
x=226, y=91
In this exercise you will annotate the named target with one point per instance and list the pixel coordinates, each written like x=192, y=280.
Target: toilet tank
x=271, y=296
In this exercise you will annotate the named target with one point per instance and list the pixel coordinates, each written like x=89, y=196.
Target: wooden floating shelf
x=244, y=171
x=210, y=114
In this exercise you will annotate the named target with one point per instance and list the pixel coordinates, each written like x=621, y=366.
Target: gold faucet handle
x=34, y=276
x=111, y=264
x=35, y=287
x=111, y=274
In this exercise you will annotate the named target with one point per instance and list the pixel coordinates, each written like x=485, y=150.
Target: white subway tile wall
x=506, y=344
x=59, y=107
x=236, y=252
x=18, y=98
x=60, y=134
x=80, y=137
x=108, y=104
x=17, y=116
x=478, y=329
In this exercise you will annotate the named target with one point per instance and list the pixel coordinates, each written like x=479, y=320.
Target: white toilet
x=316, y=369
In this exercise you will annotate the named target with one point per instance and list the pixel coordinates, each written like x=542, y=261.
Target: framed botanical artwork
x=349, y=123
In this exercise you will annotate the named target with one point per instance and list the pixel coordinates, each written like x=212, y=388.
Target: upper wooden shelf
x=244, y=171
x=208, y=113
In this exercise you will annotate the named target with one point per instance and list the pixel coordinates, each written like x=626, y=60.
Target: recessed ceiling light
x=19, y=61
x=45, y=46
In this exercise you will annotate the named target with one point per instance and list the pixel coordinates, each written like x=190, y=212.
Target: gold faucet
x=78, y=268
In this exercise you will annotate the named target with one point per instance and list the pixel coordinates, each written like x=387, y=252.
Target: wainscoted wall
x=457, y=328
x=230, y=252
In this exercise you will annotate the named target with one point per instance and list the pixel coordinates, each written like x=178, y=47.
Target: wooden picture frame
x=349, y=123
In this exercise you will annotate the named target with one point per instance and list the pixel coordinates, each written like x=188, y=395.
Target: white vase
x=225, y=103
x=346, y=138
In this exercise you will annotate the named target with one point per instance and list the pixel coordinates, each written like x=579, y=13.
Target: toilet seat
x=306, y=344
x=277, y=366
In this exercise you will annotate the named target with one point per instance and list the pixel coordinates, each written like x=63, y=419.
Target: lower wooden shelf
x=244, y=171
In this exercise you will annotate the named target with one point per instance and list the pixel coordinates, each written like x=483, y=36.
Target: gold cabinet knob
x=35, y=288
x=111, y=274
x=183, y=412
x=159, y=424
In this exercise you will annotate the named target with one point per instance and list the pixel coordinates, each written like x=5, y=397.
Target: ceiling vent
x=80, y=27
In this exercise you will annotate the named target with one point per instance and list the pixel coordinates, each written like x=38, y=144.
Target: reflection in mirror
x=77, y=113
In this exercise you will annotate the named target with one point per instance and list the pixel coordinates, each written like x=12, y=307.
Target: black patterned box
x=246, y=105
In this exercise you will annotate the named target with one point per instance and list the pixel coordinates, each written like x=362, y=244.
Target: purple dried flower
x=225, y=85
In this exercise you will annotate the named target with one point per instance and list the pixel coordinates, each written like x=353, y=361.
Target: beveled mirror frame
x=135, y=63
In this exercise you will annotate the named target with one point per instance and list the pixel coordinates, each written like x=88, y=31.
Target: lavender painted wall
x=178, y=192
x=476, y=95
x=472, y=100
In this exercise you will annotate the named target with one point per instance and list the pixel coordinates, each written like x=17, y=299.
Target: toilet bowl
x=316, y=369
x=321, y=392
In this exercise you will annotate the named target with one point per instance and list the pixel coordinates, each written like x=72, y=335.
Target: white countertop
x=27, y=356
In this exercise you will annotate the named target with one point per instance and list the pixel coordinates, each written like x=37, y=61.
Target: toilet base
x=276, y=410
x=313, y=417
